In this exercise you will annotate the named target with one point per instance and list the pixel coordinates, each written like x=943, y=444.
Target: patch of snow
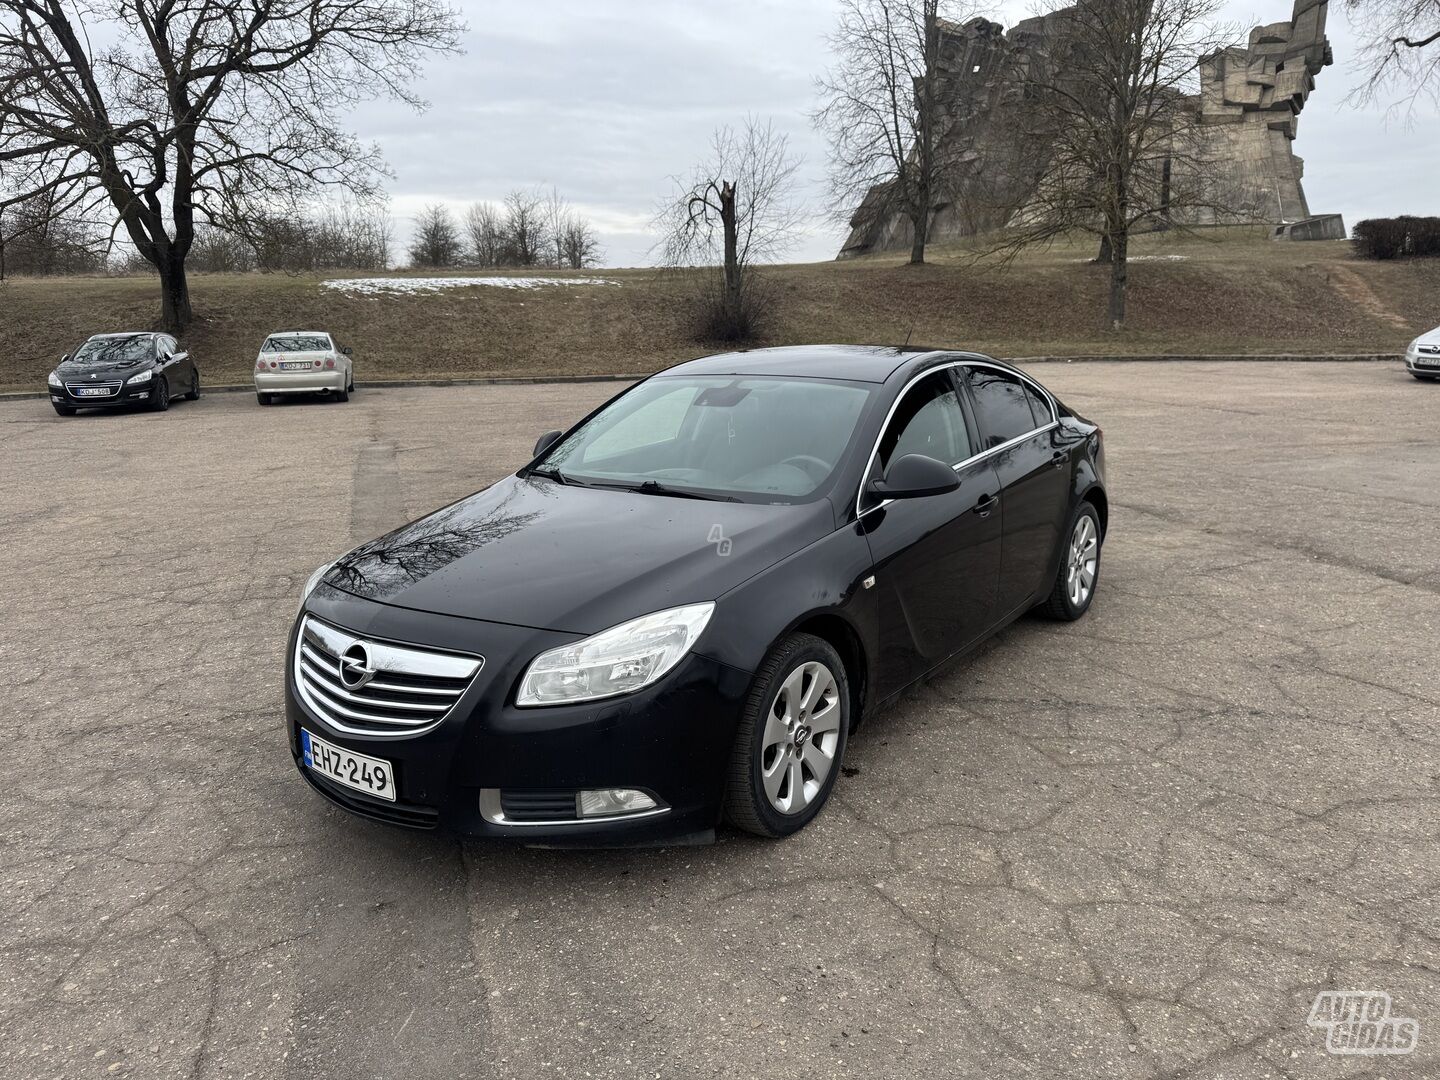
x=1148, y=258
x=403, y=286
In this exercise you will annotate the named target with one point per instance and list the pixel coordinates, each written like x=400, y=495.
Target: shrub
x=1397, y=237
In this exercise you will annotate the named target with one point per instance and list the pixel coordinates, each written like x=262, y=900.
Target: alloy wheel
x=1081, y=561
x=802, y=737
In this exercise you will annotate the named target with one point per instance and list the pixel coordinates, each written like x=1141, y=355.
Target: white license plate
x=294, y=365
x=370, y=775
x=92, y=391
x=1428, y=361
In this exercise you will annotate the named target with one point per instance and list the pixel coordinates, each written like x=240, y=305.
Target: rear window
x=296, y=343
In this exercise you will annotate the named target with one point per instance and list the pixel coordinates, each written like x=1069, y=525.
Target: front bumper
x=121, y=394
x=672, y=740
x=1422, y=363
x=299, y=382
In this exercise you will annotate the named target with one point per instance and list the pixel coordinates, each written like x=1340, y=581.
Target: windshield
x=296, y=344
x=770, y=437
x=116, y=350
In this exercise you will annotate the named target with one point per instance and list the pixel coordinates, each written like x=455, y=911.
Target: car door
x=937, y=558
x=1017, y=425
x=182, y=369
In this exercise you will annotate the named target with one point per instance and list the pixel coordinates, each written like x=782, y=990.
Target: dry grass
x=1236, y=292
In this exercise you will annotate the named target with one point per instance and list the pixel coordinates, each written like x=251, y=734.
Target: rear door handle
x=985, y=504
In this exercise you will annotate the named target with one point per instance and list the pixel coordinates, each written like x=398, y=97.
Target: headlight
x=314, y=580
x=614, y=661
x=144, y=377
x=54, y=379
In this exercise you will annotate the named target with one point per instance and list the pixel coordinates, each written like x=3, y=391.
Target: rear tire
x=63, y=410
x=263, y=399
x=194, y=394
x=342, y=395
x=160, y=396
x=1079, y=573
x=791, y=739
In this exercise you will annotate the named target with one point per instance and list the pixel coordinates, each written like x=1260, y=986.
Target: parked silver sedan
x=303, y=362
x=1422, y=356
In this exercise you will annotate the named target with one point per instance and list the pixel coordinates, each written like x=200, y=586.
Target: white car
x=303, y=362
x=1422, y=356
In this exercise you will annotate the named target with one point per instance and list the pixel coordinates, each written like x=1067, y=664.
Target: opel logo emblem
x=355, y=669
x=801, y=734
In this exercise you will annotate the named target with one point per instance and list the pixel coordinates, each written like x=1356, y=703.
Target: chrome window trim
x=491, y=811
x=460, y=665
x=973, y=458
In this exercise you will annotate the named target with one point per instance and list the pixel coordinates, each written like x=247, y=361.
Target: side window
x=928, y=421
x=1039, y=407
x=1001, y=407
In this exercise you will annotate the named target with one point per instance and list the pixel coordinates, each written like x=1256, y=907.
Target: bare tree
x=1117, y=114
x=1399, y=47
x=484, y=234
x=201, y=111
x=881, y=111
x=736, y=208
x=436, y=240
x=524, y=228
x=579, y=246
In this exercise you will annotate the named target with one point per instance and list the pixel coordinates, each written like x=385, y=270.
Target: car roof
x=857, y=363
x=126, y=333
x=298, y=333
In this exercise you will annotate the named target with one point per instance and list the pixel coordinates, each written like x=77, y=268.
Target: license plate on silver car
x=294, y=365
x=373, y=776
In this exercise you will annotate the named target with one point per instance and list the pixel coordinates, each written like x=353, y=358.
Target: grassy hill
x=1233, y=291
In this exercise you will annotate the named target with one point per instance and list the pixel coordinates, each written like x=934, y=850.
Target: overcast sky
x=606, y=101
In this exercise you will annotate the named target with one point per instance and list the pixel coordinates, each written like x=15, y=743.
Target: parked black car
x=123, y=369
x=681, y=608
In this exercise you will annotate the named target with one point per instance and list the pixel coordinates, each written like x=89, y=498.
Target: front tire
x=791, y=738
x=160, y=396
x=1079, y=572
x=63, y=410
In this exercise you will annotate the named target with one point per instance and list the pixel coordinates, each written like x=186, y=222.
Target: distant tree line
x=38, y=236
x=527, y=228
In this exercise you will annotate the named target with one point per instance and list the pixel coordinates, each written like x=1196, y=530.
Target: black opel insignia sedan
x=680, y=609
x=123, y=369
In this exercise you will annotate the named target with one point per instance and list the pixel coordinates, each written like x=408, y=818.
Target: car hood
x=1431, y=337
x=73, y=372
x=532, y=552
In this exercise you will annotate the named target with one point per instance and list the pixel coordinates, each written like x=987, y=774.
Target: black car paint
x=175, y=365
x=900, y=587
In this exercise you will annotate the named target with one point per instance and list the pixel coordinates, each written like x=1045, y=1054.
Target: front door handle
x=1058, y=458
x=985, y=504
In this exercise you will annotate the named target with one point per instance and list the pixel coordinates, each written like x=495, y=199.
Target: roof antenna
x=909, y=336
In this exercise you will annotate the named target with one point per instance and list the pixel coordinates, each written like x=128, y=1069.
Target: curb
x=540, y=380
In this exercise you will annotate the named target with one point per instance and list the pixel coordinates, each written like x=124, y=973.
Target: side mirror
x=65, y=358
x=914, y=476
x=546, y=441
x=179, y=356
x=347, y=350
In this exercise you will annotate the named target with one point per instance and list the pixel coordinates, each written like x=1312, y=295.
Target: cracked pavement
x=1132, y=847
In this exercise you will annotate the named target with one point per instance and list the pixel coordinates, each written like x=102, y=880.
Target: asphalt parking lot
x=1136, y=846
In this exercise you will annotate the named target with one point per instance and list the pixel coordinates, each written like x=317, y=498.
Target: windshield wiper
x=556, y=475
x=654, y=487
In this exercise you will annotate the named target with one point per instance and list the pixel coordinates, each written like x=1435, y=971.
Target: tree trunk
x=1104, y=256
x=1118, y=270
x=730, y=224
x=175, y=313
x=920, y=222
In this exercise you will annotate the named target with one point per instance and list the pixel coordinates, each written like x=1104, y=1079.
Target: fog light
x=607, y=802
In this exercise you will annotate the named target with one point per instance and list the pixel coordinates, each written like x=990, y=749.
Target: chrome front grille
x=369, y=687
